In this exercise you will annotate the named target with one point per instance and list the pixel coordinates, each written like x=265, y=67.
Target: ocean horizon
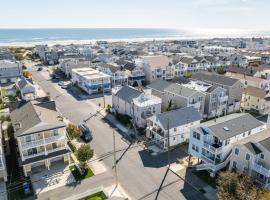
x=39, y=35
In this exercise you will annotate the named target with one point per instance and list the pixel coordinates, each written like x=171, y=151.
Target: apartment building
x=212, y=142
x=252, y=157
x=172, y=126
x=215, y=98
x=9, y=71
x=91, y=81
x=138, y=105
x=256, y=99
x=66, y=65
x=118, y=76
x=158, y=89
x=40, y=134
x=156, y=67
x=234, y=88
x=179, y=96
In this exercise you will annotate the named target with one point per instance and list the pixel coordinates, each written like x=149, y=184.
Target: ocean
x=65, y=34
x=70, y=35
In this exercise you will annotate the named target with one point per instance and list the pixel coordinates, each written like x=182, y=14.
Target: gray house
x=179, y=96
x=233, y=86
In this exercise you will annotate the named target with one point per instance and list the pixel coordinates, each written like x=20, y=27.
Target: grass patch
x=96, y=196
x=205, y=176
x=77, y=175
x=15, y=191
x=124, y=119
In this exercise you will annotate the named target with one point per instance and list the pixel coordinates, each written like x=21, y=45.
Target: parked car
x=39, y=69
x=61, y=83
x=86, y=133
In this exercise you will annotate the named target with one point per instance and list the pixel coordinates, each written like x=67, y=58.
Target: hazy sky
x=179, y=14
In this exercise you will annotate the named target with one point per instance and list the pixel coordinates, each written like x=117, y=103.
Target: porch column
x=47, y=164
x=24, y=170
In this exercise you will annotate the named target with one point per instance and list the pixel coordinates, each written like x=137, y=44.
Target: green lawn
x=205, y=176
x=88, y=173
x=96, y=196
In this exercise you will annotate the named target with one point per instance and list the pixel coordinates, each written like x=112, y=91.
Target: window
x=227, y=142
x=173, y=138
x=55, y=132
x=196, y=135
x=234, y=164
x=236, y=151
x=247, y=156
x=249, y=132
x=175, y=129
x=54, y=145
x=197, y=149
x=193, y=147
x=262, y=156
x=28, y=138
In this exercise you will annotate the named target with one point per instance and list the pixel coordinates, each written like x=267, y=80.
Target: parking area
x=44, y=180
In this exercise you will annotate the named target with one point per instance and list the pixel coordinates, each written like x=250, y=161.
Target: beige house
x=40, y=134
x=256, y=99
x=252, y=156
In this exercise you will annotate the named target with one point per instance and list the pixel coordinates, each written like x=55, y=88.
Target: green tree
x=220, y=70
x=135, y=84
x=73, y=131
x=188, y=74
x=236, y=186
x=84, y=153
x=143, y=83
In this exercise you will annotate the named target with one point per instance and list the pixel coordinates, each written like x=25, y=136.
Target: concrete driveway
x=45, y=180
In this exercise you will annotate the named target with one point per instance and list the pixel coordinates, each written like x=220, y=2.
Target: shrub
x=72, y=131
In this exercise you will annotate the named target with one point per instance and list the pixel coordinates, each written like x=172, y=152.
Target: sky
x=218, y=15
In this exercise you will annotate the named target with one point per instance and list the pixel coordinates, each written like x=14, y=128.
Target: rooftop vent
x=226, y=128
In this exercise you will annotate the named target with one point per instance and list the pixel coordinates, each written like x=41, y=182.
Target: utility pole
x=168, y=138
x=103, y=93
x=114, y=159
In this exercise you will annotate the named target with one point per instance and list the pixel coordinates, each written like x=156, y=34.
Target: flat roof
x=90, y=73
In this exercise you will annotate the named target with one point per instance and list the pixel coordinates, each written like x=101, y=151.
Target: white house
x=177, y=123
x=212, y=141
x=91, y=81
x=66, y=65
x=40, y=134
x=136, y=104
x=10, y=71
x=27, y=89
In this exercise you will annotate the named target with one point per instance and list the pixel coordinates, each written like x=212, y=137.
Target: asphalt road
x=142, y=175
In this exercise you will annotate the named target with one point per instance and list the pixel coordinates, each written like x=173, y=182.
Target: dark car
x=86, y=134
x=39, y=69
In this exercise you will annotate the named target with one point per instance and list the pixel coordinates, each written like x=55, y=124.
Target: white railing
x=54, y=138
x=260, y=169
x=195, y=105
x=212, y=149
x=34, y=143
x=207, y=160
x=56, y=149
x=33, y=155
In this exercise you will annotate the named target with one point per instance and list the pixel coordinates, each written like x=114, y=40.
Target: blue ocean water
x=40, y=35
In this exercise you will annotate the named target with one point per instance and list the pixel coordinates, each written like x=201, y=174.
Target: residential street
x=139, y=173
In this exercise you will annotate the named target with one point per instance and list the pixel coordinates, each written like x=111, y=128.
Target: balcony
x=54, y=139
x=56, y=149
x=214, y=148
x=31, y=144
x=34, y=155
x=223, y=99
x=261, y=169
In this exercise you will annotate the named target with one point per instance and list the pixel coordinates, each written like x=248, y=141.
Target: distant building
x=179, y=122
x=10, y=71
x=156, y=67
x=91, y=81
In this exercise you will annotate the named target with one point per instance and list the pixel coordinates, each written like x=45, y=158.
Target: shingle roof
x=252, y=148
x=128, y=93
x=256, y=92
x=34, y=117
x=214, y=78
x=180, y=90
x=178, y=117
x=266, y=143
x=235, y=126
x=159, y=85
